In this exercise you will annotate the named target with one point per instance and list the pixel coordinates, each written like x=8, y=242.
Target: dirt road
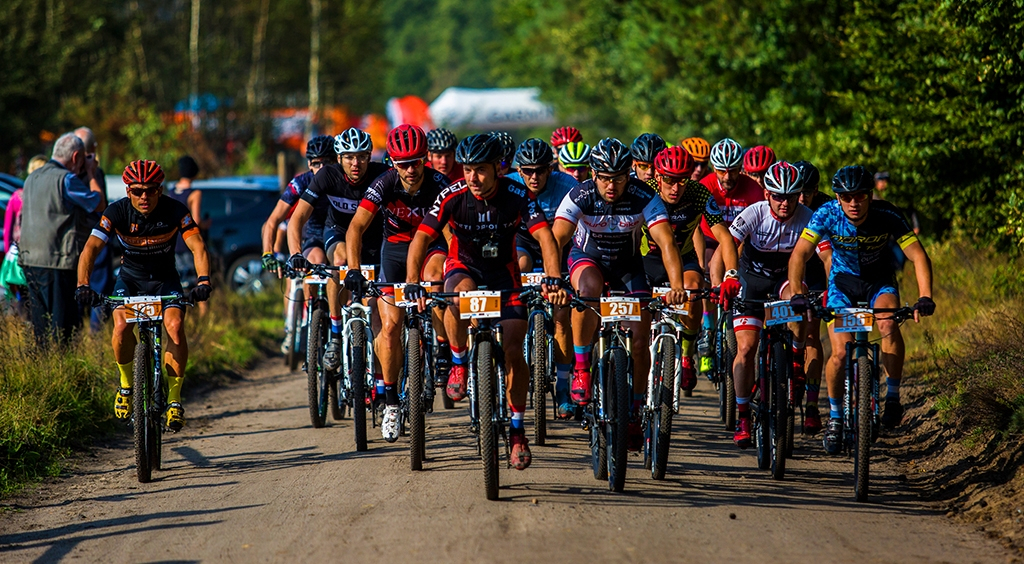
x=250, y=481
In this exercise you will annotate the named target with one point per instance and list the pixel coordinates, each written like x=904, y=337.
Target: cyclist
x=441, y=153
x=604, y=216
x=817, y=281
x=343, y=185
x=768, y=231
x=644, y=149
x=756, y=162
x=733, y=192
x=862, y=270
x=700, y=150
x=483, y=212
x=686, y=202
x=548, y=187
x=402, y=195
x=560, y=137
x=574, y=160
x=147, y=224
x=508, y=150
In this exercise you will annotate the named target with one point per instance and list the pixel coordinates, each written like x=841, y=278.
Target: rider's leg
x=563, y=359
x=525, y=261
x=458, y=336
x=813, y=355
x=339, y=257
x=743, y=366
x=123, y=342
x=835, y=371
x=892, y=343
x=641, y=353
x=513, y=332
x=589, y=283
x=433, y=271
x=388, y=344
x=175, y=352
x=315, y=255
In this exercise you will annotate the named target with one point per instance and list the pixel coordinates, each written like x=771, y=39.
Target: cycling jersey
x=313, y=233
x=814, y=275
x=401, y=210
x=610, y=232
x=344, y=198
x=861, y=251
x=746, y=192
x=148, y=240
x=558, y=185
x=767, y=241
x=696, y=203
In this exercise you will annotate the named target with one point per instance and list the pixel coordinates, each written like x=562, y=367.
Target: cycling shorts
x=499, y=279
x=313, y=238
x=130, y=286
x=657, y=275
x=756, y=287
x=846, y=290
x=393, y=260
x=335, y=235
x=626, y=276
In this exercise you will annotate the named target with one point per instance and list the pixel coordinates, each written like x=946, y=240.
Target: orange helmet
x=698, y=148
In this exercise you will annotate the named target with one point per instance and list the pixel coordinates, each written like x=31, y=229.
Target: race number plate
x=315, y=280
x=143, y=308
x=620, y=309
x=369, y=271
x=681, y=309
x=400, y=300
x=778, y=313
x=853, y=320
x=479, y=304
x=531, y=278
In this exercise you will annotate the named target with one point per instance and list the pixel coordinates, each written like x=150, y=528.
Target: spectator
x=188, y=170
x=58, y=213
x=102, y=280
x=12, y=277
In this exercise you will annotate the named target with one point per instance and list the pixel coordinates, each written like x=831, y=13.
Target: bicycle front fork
x=855, y=350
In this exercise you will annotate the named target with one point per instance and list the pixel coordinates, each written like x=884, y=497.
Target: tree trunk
x=314, y=67
x=193, y=52
x=253, y=90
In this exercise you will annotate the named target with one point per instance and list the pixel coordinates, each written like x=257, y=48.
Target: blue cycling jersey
x=558, y=185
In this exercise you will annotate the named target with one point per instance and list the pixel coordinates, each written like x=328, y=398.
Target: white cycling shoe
x=389, y=426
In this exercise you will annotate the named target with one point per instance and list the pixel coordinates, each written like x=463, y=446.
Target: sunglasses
x=618, y=179
x=405, y=165
x=642, y=166
x=784, y=197
x=316, y=164
x=672, y=180
x=533, y=171
x=854, y=197
x=139, y=192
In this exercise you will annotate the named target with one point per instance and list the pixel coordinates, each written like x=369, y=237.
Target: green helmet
x=574, y=154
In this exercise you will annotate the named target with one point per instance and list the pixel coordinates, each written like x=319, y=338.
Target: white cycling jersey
x=768, y=242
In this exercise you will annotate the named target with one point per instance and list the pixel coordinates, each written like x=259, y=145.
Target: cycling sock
x=893, y=391
x=705, y=321
x=459, y=355
x=798, y=346
x=835, y=408
x=562, y=373
x=687, y=344
x=582, y=356
x=517, y=418
x=812, y=392
x=173, y=386
x=391, y=394
x=379, y=379
x=743, y=406
x=335, y=325
x=125, y=372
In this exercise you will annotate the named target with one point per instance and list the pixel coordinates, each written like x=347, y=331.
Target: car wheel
x=245, y=275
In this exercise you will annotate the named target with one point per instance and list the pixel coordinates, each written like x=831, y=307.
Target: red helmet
x=674, y=161
x=564, y=135
x=407, y=142
x=758, y=159
x=143, y=172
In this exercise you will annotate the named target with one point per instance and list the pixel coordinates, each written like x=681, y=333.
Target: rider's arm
x=922, y=268
x=194, y=242
x=269, y=231
x=354, y=236
x=727, y=246
x=661, y=232
x=85, y=262
x=798, y=261
x=417, y=254
x=550, y=254
x=700, y=247
x=296, y=224
x=562, y=230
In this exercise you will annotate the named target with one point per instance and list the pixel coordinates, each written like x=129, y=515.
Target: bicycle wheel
x=142, y=428
x=539, y=376
x=780, y=368
x=357, y=377
x=337, y=408
x=314, y=369
x=619, y=396
x=485, y=394
x=730, y=385
x=661, y=434
x=414, y=367
x=156, y=426
x=761, y=414
x=862, y=455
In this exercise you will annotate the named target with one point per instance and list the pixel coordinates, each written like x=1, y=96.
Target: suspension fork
x=154, y=330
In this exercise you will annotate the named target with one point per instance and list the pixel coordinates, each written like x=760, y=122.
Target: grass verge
x=53, y=399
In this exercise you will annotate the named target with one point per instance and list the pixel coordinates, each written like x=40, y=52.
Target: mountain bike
x=539, y=352
x=294, y=336
x=724, y=347
x=860, y=406
x=149, y=391
x=321, y=387
x=661, y=400
x=356, y=378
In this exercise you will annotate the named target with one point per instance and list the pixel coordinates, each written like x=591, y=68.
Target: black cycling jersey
x=684, y=216
x=402, y=211
x=148, y=240
x=483, y=231
x=291, y=195
x=330, y=182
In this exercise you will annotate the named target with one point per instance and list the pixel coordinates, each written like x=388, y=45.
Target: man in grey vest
x=58, y=213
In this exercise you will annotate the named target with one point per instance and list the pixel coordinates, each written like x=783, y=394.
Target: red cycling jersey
x=746, y=192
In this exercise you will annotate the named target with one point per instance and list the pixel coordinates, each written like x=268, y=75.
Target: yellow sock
x=125, y=371
x=173, y=386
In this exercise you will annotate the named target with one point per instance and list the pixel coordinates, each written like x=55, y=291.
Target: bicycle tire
x=486, y=407
x=862, y=454
x=414, y=393
x=141, y=410
x=761, y=415
x=662, y=432
x=314, y=366
x=780, y=367
x=156, y=425
x=357, y=377
x=730, y=384
x=617, y=431
x=598, y=451
x=539, y=375
x=337, y=409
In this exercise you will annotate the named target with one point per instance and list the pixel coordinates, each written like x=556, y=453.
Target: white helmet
x=726, y=154
x=353, y=140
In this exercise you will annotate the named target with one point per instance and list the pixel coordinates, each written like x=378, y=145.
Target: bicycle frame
x=855, y=349
x=351, y=314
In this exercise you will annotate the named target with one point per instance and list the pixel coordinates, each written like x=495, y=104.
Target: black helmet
x=508, y=145
x=534, y=152
x=852, y=178
x=646, y=147
x=441, y=141
x=319, y=147
x=610, y=156
x=479, y=149
x=809, y=175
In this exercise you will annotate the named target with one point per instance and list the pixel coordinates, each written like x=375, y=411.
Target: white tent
x=493, y=108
